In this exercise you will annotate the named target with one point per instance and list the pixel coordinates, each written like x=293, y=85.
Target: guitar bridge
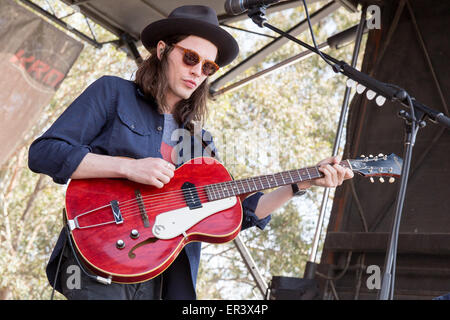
x=116, y=211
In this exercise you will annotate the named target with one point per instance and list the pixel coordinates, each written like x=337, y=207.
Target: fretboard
x=249, y=185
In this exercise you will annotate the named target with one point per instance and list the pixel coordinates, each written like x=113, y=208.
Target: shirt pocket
x=133, y=123
x=131, y=136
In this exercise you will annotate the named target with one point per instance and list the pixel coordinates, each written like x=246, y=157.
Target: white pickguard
x=173, y=223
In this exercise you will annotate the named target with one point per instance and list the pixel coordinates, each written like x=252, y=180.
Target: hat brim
x=227, y=47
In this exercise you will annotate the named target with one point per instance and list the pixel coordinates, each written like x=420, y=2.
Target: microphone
x=235, y=7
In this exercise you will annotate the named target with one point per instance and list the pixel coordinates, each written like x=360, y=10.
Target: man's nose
x=197, y=69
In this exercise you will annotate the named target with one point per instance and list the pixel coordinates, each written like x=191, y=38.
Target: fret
x=293, y=181
x=302, y=174
x=308, y=173
x=235, y=187
x=299, y=175
x=232, y=186
x=282, y=178
x=242, y=185
x=256, y=188
x=249, y=188
x=214, y=189
x=228, y=188
x=208, y=193
x=223, y=189
x=262, y=181
x=271, y=181
x=318, y=173
x=219, y=189
x=275, y=180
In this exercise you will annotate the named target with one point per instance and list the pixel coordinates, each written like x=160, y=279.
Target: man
x=121, y=129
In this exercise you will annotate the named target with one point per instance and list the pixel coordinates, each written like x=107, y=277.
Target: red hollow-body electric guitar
x=130, y=232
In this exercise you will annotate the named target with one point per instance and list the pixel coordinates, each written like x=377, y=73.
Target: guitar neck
x=249, y=185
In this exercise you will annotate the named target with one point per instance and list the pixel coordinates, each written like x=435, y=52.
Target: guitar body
x=99, y=228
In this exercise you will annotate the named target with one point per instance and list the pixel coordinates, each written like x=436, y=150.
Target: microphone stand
x=413, y=121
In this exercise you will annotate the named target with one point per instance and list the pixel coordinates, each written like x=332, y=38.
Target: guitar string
x=134, y=209
x=297, y=171
x=215, y=189
x=179, y=194
x=129, y=211
x=217, y=185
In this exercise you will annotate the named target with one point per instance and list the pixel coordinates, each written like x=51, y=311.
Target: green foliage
x=283, y=121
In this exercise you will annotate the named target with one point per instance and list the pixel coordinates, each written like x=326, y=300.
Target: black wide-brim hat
x=200, y=21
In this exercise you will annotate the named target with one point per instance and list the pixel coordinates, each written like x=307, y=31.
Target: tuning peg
x=391, y=180
x=370, y=155
x=371, y=180
x=381, y=155
x=382, y=180
x=363, y=156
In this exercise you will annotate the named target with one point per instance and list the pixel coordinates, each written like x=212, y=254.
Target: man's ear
x=160, y=49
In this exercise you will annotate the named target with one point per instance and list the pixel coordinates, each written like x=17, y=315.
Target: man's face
x=184, y=79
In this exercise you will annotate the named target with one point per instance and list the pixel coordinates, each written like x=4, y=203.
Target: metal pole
x=251, y=266
x=343, y=116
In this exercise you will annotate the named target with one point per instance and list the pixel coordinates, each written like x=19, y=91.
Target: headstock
x=380, y=165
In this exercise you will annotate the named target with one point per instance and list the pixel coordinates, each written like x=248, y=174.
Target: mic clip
x=258, y=15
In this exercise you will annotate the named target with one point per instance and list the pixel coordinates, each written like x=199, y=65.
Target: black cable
x=313, y=38
x=93, y=277
x=57, y=269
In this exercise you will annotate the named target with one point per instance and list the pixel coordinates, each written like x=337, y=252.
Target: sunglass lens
x=209, y=68
x=191, y=58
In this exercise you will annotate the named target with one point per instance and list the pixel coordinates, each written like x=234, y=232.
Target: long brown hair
x=151, y=79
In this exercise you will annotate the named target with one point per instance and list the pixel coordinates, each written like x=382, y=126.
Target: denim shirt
x=112, y=117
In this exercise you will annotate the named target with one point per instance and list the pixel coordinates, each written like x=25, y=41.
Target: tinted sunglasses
x=192, y=58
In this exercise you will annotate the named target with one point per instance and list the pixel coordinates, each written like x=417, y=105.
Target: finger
x=157, y=183
x=325, y=161
x=327, y=180
x=165, y=164
x=163, y=178
x=349, y=174
x=333, y=176
x=340, y=171
x=337, y=159
x=168, y=170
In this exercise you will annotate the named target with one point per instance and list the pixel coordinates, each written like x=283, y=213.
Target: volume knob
x=120, y=244
x=134, y=234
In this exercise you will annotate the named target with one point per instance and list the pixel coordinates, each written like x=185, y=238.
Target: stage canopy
x=125, y=20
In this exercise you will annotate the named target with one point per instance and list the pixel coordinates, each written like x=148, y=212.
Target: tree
x=283, y=121
x=291, y=114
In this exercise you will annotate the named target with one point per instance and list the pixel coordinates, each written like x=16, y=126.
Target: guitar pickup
x=191, y=196
x=116, y=212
